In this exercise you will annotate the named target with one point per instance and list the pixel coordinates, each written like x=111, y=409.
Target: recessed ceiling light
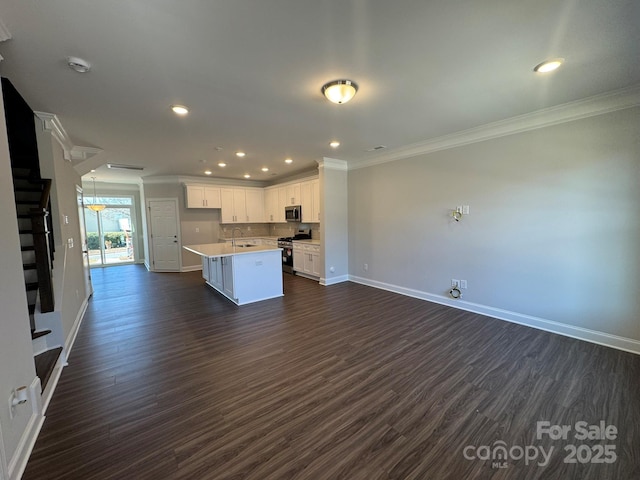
x=78, y=64
x=222, y=164
x=548, y=65
x=288, y=160
x=264, y=169
x=208, y=172
x=246, y=175
x=93, y=170
x=334, y=144
x=179, y=109
x=240, y=154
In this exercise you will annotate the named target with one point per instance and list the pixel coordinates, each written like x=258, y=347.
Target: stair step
x=28, y=189
x=24, y=215
x=28, y=248
x=32, y=308
x=27, y=202
x=31, y=286
x=25, y=231
x=45, y=363
x=29, y=266
x=39, y=334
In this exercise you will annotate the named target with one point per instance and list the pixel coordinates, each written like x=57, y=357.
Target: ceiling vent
x=379, y=147
x=120, y=166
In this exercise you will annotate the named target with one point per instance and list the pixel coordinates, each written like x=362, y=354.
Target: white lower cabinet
x=215, y=272
x=306, y=259
x=227, y=276
x=245, y=277
x=205, y=268
x=298, y=257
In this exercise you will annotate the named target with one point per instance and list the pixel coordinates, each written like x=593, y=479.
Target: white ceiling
x=251, y=73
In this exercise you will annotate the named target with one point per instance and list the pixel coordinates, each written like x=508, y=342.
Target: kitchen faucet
x=233, y=235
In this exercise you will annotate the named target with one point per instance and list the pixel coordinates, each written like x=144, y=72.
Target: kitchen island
x=242, y=273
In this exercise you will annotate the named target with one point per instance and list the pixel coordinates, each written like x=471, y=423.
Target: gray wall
x=553, y=229
x=334, y=220
x=206, y=220
x=64, y=203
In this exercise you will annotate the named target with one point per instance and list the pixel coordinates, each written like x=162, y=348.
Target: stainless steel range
x=286, y=243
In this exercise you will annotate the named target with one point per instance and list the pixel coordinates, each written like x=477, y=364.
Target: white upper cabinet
x=293, y=194
x=254, y=205
x=306, y=202
x=315, y=196
x=310, y=201
x=240, y=205
x=274, y=202
x=201, y=196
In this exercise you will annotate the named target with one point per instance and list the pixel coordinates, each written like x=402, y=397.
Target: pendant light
x=95, y=206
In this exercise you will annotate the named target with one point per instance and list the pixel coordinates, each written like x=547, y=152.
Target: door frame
x=152, y=267
x=86, y=267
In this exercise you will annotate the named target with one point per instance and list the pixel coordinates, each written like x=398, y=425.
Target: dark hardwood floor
x=168, y=380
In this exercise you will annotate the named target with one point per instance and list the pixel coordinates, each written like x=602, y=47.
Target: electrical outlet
x=465, y=209
x=454, y=282
x=366, y=267
x=197, y=230
x=463, y=284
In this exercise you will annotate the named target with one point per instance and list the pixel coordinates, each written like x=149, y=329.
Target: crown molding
x=333, y=164
x=189, y=180
x=51, y=123
x=80, y=154
x=567, y=112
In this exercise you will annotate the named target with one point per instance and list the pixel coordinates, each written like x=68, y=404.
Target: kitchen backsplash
x=268, y=229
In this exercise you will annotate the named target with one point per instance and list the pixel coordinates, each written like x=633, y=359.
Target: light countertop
x=310, y=241
x=226, y=250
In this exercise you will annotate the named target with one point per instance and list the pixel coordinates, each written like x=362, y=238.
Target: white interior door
x=164, y=235
x=88, y=287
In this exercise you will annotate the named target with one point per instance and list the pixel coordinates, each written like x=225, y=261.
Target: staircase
x=36, y=245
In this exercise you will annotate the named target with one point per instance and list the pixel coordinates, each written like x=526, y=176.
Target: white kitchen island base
x=243, y=275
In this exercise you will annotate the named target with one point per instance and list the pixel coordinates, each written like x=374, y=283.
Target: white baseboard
x=18, y=462
x=334, y=280
x=191, y=268
x=47, y=394
x=71, y=338
x=593, y=336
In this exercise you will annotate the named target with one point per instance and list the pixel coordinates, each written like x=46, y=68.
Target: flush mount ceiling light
x=334, y=144
x=179, y=109
x=78, y=64
x=222, y=164
x=340, y=91
x=246, y=175
x=265, y=169
x=240, y=154
x=95, y=206
x=208, y=172
x=548, y=65
x=288, y=160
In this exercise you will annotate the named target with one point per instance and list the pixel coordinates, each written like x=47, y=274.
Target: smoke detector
x=78, y=64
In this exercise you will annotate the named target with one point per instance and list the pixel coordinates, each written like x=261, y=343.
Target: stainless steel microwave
x=293, y=213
